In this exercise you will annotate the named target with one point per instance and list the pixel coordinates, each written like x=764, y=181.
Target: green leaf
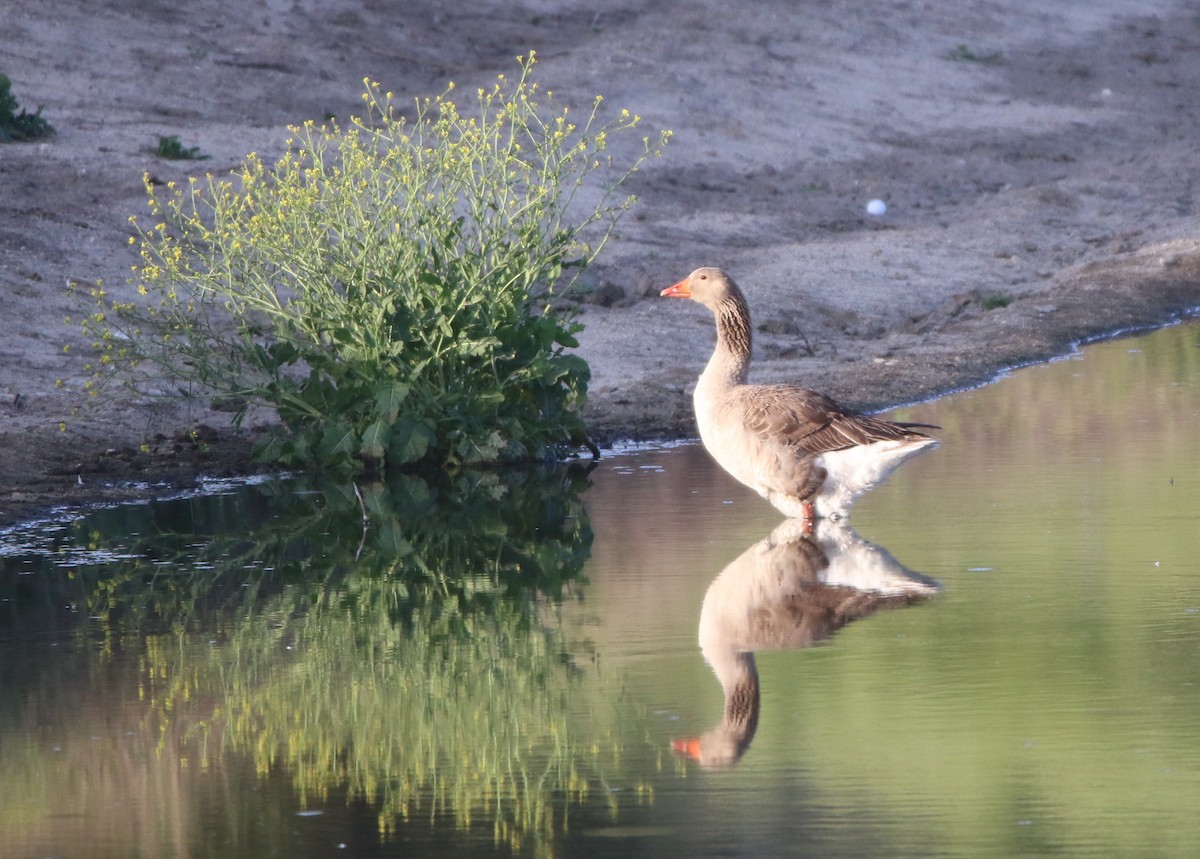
x=566, y=340
x=375, y=439
x=389, y=396
x=283, y=353
x=575, y=366
x=410, y=441
x=566, y=335
x=546, y=330
x=337, y=439
x=411, y=495
x=565, y=366
x=269, y=449
x=391, y=540
x=481, y=346
x=318, y=392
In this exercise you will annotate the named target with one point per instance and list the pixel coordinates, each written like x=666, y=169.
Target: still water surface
x=1002, y=658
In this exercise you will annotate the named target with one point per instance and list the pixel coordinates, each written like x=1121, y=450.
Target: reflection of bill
x=789, y=590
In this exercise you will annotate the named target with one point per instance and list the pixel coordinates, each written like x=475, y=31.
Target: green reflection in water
x=416, y=663
x=1047, y=703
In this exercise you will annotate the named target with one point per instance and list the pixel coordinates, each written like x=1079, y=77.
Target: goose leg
x=808, y=511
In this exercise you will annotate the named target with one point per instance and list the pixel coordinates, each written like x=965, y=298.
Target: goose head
x=716, y=290
x=709, y=286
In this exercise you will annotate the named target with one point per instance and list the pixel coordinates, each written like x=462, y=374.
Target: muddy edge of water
x=108, y=457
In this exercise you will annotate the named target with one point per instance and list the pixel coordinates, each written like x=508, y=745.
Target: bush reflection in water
x=413, y=661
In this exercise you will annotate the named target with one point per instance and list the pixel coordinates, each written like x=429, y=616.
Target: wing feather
x=812, y=422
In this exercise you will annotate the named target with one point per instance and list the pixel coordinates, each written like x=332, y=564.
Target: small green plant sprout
x=17, y=127
x=389, y=288
x=995, y=300
x=963, y=54
x=170, y=148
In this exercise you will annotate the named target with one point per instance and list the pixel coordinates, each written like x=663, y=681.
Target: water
x=505, y=668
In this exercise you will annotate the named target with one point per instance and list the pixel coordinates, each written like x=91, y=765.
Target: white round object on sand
x=877, y=208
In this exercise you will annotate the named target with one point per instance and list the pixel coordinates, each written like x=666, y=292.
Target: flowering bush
x=389, y=288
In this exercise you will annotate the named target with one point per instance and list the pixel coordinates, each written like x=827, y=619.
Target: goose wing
x=810, y=421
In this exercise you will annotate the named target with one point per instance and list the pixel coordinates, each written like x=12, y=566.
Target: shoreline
x=85, y=473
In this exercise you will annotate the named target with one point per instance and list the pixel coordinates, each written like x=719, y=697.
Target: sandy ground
x=1049, y=157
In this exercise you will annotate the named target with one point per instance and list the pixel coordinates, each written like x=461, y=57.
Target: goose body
x=797, y=448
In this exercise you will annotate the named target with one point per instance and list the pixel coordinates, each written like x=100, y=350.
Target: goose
x=800, y=450
x=791, y=590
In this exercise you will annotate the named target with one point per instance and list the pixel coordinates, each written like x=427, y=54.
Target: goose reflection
x=792, y=589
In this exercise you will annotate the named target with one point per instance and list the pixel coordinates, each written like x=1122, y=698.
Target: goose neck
x=730, y=361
